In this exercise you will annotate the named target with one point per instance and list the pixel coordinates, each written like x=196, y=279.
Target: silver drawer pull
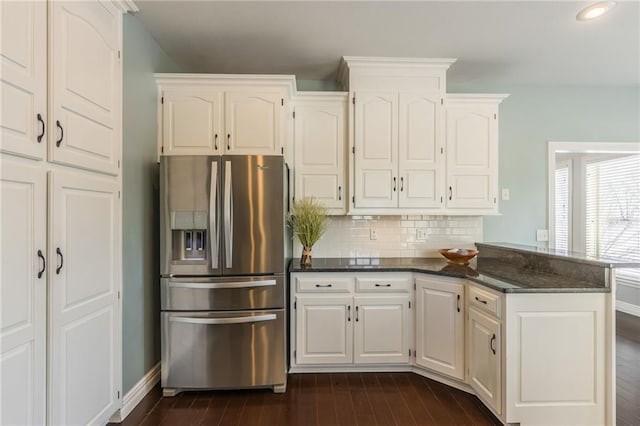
x=323, y=285
x=383, y=285
x=236, y=320
x=480, y=300
x=232, y=284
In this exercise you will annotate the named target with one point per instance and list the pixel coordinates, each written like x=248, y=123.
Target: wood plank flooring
x=367, y=398
x=321, y=399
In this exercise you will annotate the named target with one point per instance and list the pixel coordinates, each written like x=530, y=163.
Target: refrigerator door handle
x=228, y=215
x=213, y=216
x=232, y=284
x=236, y=320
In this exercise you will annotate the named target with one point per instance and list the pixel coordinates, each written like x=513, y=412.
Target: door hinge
x=295, y=305
x=295, y=354
x=353, y=100
x=281, y=150
x=118, y=295
x=282, y=101
x=494, y=200
x=118, y=163
x=353, y=200
x=294, y=115
x=441, y=150
x=118, y=54
x=118, y=194
x=293, y=199
x=353, y=149
x=118, y=394
x=162, y=100
x=441, y=200
x=409, y=304
x=495, y=116
x=414, y=285
x=409, y=353
x=162, y=149
x=441, y=101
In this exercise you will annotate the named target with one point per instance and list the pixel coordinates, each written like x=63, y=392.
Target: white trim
x=136, y=394
x=628, y=308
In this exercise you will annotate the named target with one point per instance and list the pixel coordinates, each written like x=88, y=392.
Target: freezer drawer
x=222, y=293
x=206, y=350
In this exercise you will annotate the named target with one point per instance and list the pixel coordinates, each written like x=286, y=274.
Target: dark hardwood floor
x=321, y=399
x=367, y=398
x=628, y=369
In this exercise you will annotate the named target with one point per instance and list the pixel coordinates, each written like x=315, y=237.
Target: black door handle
x=44, y=262
x=394, y=184
x=348, y=313
x=59, y=253
x=41, y=135
x=458, y=303
x=228, y=141
x=215, y=141
x=401, y=184
x=356, y=314
x=59, y=126
x=493, y=339
x=450, y=192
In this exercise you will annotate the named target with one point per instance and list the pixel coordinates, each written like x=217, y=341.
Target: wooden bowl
x=458, y=258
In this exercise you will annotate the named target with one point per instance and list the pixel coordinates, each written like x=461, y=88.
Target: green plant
x=308, y=220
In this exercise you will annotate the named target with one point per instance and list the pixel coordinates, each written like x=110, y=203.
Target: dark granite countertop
x=575, y=257
x=492, y=276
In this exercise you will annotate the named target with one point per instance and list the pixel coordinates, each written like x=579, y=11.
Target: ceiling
x=495, y=42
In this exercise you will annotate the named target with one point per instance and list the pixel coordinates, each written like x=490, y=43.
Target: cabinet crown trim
x=245, y=80
x=476, y=98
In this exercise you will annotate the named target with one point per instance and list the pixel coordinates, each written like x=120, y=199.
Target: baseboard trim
x=132, y=398
x=628, y=308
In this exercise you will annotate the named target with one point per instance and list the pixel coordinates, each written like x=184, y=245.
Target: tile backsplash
x=397, y=236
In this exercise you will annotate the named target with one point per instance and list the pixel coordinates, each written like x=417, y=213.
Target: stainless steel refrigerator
x=222, y=272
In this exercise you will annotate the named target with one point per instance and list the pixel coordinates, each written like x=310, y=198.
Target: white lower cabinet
x=484, y=358
x=440, y=325
x=339, y=323
x=324, y=329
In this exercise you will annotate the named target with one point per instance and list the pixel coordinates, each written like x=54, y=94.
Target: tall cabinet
x=60, y=330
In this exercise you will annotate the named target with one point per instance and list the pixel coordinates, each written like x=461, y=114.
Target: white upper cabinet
x=472, y=151
x=420, y=166
x=23, y=78
x=376, y=149
x=320, y=143
x=252, y=123
x=192, y=122
x=84, y=127
x=213, y=114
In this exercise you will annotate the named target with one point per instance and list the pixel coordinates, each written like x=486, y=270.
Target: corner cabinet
x=61, y=233
x=344, y=319
x=440, y=325
x=320, y=134
x=472, y=152
x=213, y=114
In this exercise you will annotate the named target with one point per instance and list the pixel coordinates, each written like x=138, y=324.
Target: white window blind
x=613, y=211
x=562, y=207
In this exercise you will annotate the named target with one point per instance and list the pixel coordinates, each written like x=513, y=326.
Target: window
x=562, y=206
x=613, y=210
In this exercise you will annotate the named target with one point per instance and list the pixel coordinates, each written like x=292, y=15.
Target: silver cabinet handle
x=236, y=320
x=213, y=215
x=228, y=215
x=228, y=284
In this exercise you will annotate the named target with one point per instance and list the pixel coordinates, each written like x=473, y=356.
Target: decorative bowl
x=458, y=256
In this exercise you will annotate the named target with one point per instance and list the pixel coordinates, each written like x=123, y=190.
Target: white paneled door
x=252, y=123
x=484, y=341
x=23, y=293
x=192, y=123
x=23, y=78
x=86, y=85
x=84, y=260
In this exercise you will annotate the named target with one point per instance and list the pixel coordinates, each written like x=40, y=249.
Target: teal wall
x=531, y=117
x=141, y=291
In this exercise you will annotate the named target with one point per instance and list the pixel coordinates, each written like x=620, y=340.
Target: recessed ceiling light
x=595, y=10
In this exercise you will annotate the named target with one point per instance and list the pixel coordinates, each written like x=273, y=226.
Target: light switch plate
x=373, y=234
x=542, y=235
x=505, y=194
x=421, y=234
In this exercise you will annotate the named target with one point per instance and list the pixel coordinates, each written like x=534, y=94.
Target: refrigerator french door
x=222, y=272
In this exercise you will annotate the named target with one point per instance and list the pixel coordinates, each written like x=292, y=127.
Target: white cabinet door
x=84, y=129
x=324, y=329
x=23, y=294
x=23, y=78
x=252, y=123
x=421, y=167
x=472, y=156
x=381, y=329
x=440, y=326
x=191, y=123
x=84, y=272
x=319, y=153
x=376, y=149
x=485, y=358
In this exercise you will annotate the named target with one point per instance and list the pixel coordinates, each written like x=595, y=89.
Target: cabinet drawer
x=383, y=284
x=485, y=300
x=323, y=284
